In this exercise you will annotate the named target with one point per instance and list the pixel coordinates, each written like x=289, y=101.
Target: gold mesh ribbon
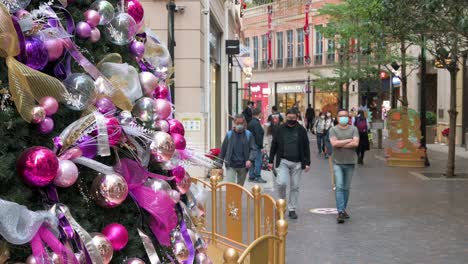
x=26, y=85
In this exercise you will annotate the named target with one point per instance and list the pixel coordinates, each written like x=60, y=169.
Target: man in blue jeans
x=344, y=139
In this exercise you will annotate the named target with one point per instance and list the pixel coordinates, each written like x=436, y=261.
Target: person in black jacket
x=248, y=112
x=291, y=147
x=257, y=131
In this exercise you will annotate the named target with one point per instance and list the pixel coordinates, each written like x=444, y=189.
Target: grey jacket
x=250, y=148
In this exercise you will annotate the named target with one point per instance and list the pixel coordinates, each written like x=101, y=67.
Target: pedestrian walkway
x=395, y=218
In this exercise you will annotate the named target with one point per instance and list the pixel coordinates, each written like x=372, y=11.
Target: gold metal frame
x=231, y=216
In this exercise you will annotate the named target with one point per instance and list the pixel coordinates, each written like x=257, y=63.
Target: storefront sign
x=290, y=88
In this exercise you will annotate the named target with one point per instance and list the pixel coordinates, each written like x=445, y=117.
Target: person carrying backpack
x=361, y=124
x=238, y=151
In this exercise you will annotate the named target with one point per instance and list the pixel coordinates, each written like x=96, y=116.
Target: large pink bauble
x=49, y=104
x=179, y=173
x=92, y=17
x=162, y=125
x=148, y=82
x=83, y=30
x=135, y=10
x=117, y=235
x=176, y=127
x=37, y=166
x=134, y=261
x=163, y=108
x=161, y=92
x=46, y=126
x=54, y=48
x=114, y=130
x=103, y=245
x=95, y=35
x=179, y=141
x=109, y=190
x=67, y=174
x=184, y=185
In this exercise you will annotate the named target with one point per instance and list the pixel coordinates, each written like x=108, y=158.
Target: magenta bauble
x=135, y=10
x=163, y=108
x=92, y=17
x=67, y=175
x=137, y=48
x=54, y=48
x=114, y=130
x=37, y=166
x=83, y=30
x=105, y=105
x=176, y=127
x=117, y=235
x=179, y=141
x=95, y=35
x=49, y=104
x=46, y=126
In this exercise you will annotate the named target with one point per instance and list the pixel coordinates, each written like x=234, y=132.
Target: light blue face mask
x=343, y=120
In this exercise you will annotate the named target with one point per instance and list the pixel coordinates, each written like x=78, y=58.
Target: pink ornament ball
x=163, y=108
x=114, y=130
x=95, y=35
x=49, y=104
x=83, y=30
x=161, y=92
x=135, y=10
x=67, y=174
x=92, y=17
x=46, y=126
x=179, y=141
x=176, y=127
x=179, y=173
x=37, y=166
x=117, y=234
x=54, y=48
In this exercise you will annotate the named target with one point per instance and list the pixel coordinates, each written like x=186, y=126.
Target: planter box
x=431, y=132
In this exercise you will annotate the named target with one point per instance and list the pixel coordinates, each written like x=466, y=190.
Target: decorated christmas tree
x=91, y=158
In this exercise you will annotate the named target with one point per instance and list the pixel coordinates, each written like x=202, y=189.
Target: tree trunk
x=450, y=172
x=404, y=79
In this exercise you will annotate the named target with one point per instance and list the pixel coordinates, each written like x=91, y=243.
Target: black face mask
x=291, y=122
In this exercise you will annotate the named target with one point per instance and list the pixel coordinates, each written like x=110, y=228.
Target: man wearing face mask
x=290, y=145
x=344, y=139
x=238, y=151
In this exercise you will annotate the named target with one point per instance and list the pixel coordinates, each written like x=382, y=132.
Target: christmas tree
x=88, y=143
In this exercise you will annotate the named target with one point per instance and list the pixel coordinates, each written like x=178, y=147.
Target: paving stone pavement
x=395, y=218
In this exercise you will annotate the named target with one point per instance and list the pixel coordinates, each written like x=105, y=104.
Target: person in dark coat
x=310, y=116
x=360, y=122
x=238, y=151
x=257, y=131
x=248, y=111
x=291, y=147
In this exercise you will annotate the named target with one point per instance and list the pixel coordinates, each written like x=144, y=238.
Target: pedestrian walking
x=291, y=147
x=248, y=111
x=310, y=116
x=238, y=151
x=257, y=132
x=319, y=129
x=344, y=139
x=363, y=128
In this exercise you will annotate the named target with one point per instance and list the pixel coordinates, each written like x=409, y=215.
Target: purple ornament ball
x=37, y=166
x=92, y=17
x=49, y=104
x=95, y=35
x=36, y=53
x=54, y=48
x=176, y=127
x=163, y=108
x=46, y=126
x=117, y=235
x=137, y=48
x=83, y=30
x=67, y=174
x=105, y=105
x=179, y=141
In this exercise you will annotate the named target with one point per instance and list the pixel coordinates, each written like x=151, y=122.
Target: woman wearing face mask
x=327, y=144
x=319, y=129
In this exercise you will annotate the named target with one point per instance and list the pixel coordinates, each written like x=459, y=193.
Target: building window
x=300, y=47
x=318, y=46
x=330, y=51
x=279, y=49
x=290, y=47
x=264, y=51
x=255, y=52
